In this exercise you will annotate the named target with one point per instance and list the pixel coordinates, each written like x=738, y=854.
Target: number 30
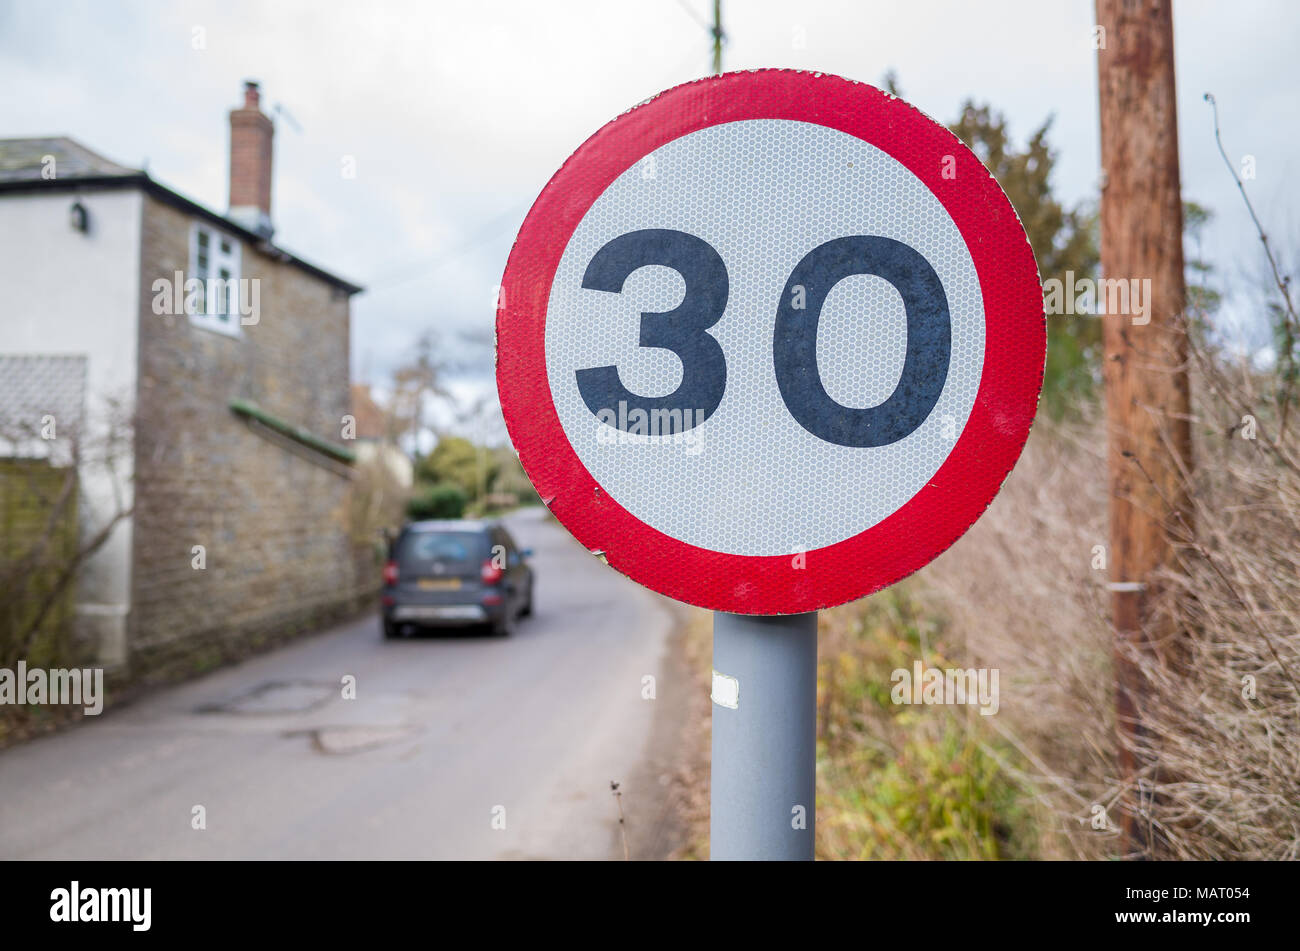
x=684, y=331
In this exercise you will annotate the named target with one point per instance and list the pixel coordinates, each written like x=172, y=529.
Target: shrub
x=905, y=782
x=442, y=500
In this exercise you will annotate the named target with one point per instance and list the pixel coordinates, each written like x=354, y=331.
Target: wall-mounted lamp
x=79, y=217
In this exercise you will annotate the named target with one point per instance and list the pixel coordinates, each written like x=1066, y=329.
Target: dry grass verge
x=1025, y=592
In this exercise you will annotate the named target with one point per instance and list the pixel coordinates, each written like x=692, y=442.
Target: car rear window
x=449, y=549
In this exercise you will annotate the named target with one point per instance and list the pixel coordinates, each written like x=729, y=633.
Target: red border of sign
x=1014, y=349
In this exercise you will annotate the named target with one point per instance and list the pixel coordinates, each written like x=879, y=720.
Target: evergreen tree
x=1202, y=300
x=1063, y=240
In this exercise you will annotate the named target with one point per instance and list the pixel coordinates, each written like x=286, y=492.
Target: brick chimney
x=250, y=164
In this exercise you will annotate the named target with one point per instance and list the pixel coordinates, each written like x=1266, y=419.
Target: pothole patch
x=344, y=740
x=277, y=697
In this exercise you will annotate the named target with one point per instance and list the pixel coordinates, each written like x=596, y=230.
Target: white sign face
x=762, y=193
x=770, y=341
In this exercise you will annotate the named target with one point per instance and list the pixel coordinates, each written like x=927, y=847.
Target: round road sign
x=770, y=341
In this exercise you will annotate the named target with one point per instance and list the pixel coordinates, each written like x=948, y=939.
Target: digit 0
x=929, y=341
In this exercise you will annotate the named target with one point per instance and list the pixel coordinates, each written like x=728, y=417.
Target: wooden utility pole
x=717, y=37
x=1145, y=364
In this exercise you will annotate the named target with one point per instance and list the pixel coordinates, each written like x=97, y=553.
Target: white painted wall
x=65, y=292
x=374, y=452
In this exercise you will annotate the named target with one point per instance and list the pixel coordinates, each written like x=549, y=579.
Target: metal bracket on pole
x=763, y=787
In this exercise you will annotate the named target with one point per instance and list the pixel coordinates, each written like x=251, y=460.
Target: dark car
x=455, y=573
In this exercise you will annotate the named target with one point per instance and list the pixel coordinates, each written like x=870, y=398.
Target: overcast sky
x=457, y=113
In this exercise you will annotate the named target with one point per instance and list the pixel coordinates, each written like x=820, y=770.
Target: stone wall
x=272, y=516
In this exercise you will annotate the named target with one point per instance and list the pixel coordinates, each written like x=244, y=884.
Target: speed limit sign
x=770, y=341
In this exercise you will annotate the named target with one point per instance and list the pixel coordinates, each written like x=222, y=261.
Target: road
x=448, y=738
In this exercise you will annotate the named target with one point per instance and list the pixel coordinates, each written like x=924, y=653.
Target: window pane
x=452, y=551
x=203, y=242
x=223, y=290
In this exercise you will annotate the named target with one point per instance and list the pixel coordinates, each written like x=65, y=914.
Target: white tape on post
x=726, y=691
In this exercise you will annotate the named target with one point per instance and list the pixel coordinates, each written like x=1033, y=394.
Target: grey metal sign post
x=763, y=792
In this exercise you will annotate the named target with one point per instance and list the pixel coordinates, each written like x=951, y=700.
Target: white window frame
x=213, y=316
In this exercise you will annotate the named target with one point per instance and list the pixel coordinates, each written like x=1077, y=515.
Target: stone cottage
x=216, y=365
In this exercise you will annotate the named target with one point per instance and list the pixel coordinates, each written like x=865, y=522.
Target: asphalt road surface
x=449, y=738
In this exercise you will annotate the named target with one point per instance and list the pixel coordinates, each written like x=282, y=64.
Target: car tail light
x=390, y=573
x=491, y=573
